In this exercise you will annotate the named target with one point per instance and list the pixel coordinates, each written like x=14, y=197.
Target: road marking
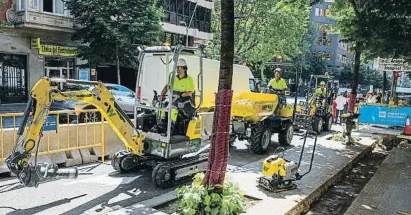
x=104, y=180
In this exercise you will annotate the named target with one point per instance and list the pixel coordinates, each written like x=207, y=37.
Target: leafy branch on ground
x=339, y=137
x=200, y=200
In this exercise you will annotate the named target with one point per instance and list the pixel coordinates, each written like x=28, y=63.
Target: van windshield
x=252, y=85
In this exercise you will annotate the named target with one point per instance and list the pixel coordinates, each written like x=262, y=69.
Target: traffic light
x=324, y=36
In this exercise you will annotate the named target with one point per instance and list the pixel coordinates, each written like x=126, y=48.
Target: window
x=179, y=12
x=53, y=6
x=21, y=5
x=317, y=11
x=34, y=5
x=322, y=12
x=59, y=6
x=328, y=56
x=48, y=6
x=252, y=84
x=329, y=42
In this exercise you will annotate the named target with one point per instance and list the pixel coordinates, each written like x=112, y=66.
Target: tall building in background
x=37, y=42
x=180, y=14
x=327, y=46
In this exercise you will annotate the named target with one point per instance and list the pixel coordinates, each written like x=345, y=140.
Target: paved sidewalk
x=331, y=160
x=389, y=191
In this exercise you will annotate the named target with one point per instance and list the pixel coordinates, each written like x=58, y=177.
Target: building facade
x=180, y=14
x=36, y=41
x=328, y=46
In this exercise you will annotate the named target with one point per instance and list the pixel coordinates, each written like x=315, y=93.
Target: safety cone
x=407, y=128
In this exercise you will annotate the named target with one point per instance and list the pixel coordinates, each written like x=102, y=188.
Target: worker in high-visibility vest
x=183, y=87
x=322, y=91
x=278, y=83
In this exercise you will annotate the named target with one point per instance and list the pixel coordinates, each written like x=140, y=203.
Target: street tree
x=218, y=153
x=263, y=29
x=111, y=30
x=377, y=28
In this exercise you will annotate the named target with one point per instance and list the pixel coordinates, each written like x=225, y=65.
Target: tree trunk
x=353, y=95
x=118, y=66
x=218, y=154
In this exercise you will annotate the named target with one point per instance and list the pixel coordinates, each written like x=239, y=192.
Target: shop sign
x=50, y=50
x=84, y=74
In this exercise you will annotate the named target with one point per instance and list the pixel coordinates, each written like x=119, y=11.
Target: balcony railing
x=28, y=14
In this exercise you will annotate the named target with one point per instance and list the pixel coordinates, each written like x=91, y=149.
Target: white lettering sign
x=390, y=61
x=394, y=67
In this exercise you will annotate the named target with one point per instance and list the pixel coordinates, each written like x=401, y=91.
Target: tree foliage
x=263, y=30
x=107, y=25
x=380, y=28
x=377, y=27
x=367, y=76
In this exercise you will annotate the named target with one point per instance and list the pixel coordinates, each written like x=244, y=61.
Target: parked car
x=124, y=97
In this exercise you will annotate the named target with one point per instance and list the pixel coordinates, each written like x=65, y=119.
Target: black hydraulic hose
x=124, y=116
x=296, y=94
x=25, y=117
x=302, y=149
x=312, y=157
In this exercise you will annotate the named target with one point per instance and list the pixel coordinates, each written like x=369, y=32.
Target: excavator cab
x=171, y=126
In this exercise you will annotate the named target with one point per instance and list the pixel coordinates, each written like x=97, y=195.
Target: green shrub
x=200, y=200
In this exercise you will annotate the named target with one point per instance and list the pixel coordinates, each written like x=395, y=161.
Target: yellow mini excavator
x=174, y=159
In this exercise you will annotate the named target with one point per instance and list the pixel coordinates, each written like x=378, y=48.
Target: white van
x=156, y=68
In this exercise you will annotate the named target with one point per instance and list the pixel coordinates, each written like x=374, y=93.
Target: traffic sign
x=394, y=67
x=391, y=64
x=391, y=61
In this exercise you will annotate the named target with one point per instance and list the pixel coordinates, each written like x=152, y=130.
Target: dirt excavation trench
x=338, y=198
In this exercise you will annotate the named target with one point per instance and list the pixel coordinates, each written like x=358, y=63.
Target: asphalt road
x=102, y=191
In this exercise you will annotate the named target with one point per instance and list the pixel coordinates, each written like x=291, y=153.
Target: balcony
x=43, y=14
x=39, y=20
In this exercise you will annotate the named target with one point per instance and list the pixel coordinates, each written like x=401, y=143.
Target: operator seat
x=186, y=112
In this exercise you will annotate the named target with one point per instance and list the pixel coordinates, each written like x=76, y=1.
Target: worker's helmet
x=322, y=83
x=182, y=63
x=278, y=70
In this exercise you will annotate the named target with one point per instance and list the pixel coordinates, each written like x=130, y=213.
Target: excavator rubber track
x=164, y=174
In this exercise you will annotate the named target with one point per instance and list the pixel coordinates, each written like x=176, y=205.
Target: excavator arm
x=41, y=97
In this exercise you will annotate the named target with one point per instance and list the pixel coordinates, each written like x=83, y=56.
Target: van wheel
x=285, y=137
x=260, y=139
